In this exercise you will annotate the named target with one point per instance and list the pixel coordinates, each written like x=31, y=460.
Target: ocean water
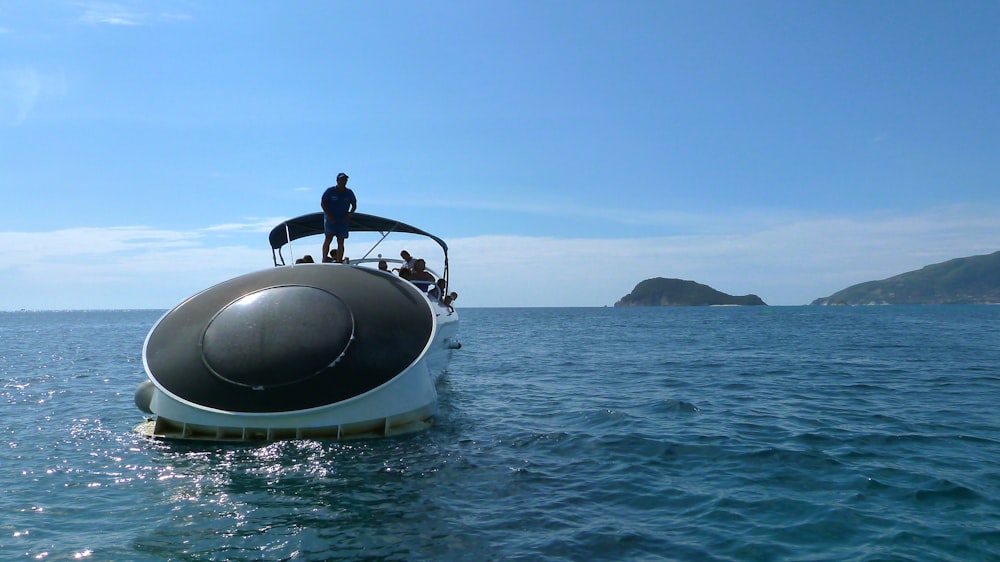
x=762, y=433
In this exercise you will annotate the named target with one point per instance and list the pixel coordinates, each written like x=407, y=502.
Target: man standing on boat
x=339, y=204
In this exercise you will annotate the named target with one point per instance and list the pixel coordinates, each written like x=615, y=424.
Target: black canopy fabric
x=312, y=224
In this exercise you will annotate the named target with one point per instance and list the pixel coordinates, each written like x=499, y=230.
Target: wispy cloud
x=787, y=262
x=72, y=243
x=21, y=89
x=569, y=209
x=120, y=267
x=251, y=225
x=109, y=13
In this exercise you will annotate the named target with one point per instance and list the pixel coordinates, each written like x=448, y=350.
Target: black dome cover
x=289, y=338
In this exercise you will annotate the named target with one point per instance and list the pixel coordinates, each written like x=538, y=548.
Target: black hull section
x=289, y=339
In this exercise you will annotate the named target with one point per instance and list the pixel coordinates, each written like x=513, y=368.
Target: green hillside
x=678, y=292
x=971, y=280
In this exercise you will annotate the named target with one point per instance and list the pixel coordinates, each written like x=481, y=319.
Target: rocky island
x=679, y=292
x=970, y=280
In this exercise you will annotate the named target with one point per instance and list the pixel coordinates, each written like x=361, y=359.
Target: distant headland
x=661, y=291
x=970, y=280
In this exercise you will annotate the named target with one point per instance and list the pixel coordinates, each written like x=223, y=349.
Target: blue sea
x=742, y=434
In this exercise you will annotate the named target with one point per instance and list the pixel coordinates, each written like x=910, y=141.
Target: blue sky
x=566, y=150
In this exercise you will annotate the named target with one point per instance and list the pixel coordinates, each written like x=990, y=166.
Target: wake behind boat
x=302, y=350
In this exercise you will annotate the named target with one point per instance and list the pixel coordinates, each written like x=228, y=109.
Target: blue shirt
x=338, y=202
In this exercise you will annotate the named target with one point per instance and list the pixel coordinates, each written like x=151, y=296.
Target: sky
x=565, y=150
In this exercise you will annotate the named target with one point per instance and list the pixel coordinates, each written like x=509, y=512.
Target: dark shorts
x=340, y=229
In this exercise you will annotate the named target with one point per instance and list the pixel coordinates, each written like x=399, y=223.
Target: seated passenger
x=448, y=300
x=437, y=290
x=408, y=263
x=420, y=276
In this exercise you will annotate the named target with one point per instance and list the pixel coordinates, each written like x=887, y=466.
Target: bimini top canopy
x=312, y=224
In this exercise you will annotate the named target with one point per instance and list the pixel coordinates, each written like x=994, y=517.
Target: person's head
x=453, y=295
x=383, y=265
x=405, y=255
x=342, y=179
x=440, y=283
x=419, y=265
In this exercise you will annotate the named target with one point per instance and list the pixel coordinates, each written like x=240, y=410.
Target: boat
x=302, y=350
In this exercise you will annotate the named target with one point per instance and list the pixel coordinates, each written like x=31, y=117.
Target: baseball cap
x=341, y=175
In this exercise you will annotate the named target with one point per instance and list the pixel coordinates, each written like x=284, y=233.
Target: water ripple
x=563, y=434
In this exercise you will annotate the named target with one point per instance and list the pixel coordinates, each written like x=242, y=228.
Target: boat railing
x=372, y=263
x=312, y=224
